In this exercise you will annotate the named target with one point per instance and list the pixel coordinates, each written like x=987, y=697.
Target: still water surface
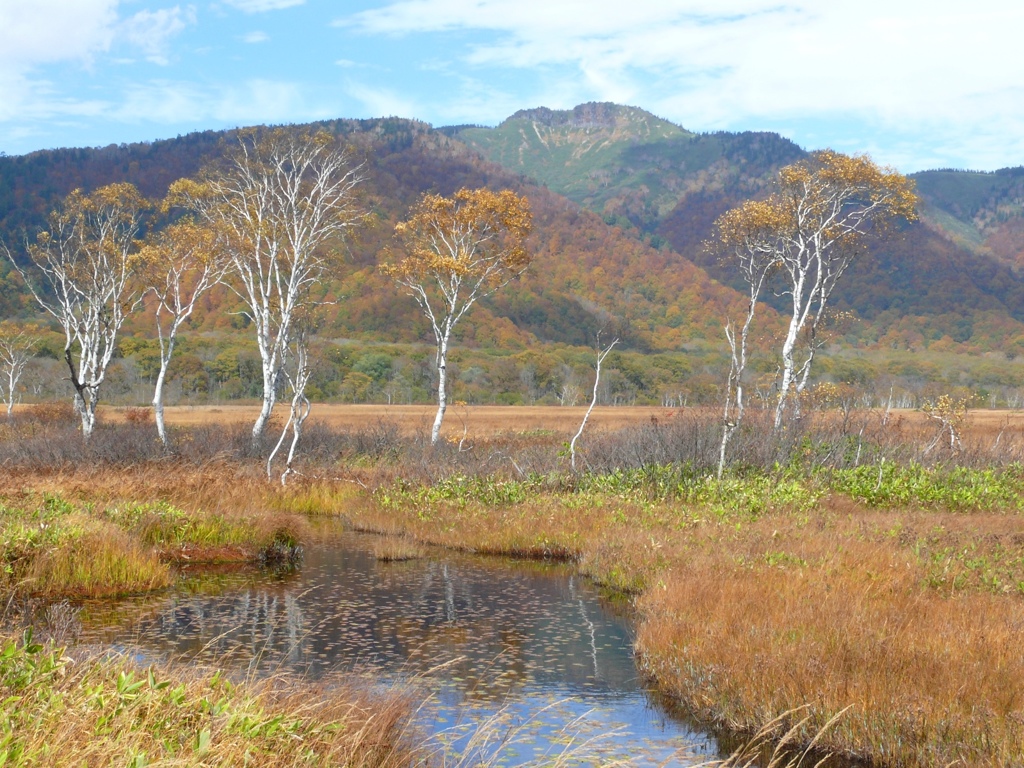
x=530, y=646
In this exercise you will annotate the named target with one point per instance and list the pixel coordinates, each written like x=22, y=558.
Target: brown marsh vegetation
x=488, y=420
x=845, y=566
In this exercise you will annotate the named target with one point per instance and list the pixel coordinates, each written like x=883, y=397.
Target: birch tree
x=86, y=260
x=751, y=251
x=16, y=345
x=279, y=202
x=458, y=250
x=181, y=263
x=297, y=372
x=814, y=226
x=601, y=355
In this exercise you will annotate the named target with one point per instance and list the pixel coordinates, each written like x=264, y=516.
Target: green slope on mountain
x=952, y=278
x=980, y=211
x=625, y=163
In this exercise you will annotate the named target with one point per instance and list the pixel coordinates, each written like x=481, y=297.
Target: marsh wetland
x=530, y=647
x=477, y=603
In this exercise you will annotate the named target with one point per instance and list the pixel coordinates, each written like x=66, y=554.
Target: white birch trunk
x=442, y=388
x=601, y=355
x=788, y=364
x=12, y=382
x=269, y=399
x=158, y=393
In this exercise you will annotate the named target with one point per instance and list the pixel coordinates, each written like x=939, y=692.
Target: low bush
x=57, y=412
x=888, y=484
x=137, y=415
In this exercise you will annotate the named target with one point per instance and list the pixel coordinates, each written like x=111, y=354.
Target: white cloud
x=532, y=18
x=246, y=103
x=381, y=102
x=150, y=31
x=897, y=64
x=25, y=100
x=255, y=37
x=264, y=101
x=260, y=6
x=36, y=32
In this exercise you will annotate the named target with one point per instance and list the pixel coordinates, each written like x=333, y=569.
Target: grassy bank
x=761, y=594
x=60, y=708
x=119, y=531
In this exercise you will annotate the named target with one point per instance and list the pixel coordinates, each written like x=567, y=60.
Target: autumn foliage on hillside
x=647, y=275
x=586, y=274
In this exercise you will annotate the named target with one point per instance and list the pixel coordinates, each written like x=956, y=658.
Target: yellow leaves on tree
x=458, y=250
x=831, y=196
x=807, y=234
x=93, y=234
x=471, y=235
x=86, y=260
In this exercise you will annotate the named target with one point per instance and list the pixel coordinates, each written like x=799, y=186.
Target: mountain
x=951, y=278
x=983, y=212
x=625, y=163
x=624, y=202
x=586, y=274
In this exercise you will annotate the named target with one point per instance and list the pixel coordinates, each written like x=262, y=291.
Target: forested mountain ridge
x=950, y=279
x=625, y=163
x=646, y=194
x=586, y=273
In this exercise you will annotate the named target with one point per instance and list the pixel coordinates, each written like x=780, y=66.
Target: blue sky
x=915, y=84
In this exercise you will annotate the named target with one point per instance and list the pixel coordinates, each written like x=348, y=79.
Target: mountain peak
x=594, y=114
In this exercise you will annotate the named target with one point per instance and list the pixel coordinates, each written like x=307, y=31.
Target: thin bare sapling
x=17, y=342
x=601, y=355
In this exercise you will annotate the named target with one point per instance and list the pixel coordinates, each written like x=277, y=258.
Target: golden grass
x=93, y=710
x=485, y=421
x=743, y=619
x=932, y=680
x=912, y=618
x=103, y=561
x=97, y=532
x=482, y=421
x=395, y=550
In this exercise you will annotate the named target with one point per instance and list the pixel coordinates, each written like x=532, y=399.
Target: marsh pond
x=530, y=650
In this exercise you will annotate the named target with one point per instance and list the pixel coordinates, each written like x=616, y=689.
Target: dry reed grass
x=758, y=595
x=488, y=421
x=745, y=617
x=932, y=680
x=98, y=531
x=396, y=550
x=482, y=421
x=103, y=561
x=106, y=710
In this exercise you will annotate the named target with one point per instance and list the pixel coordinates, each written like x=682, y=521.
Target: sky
x=916, y=84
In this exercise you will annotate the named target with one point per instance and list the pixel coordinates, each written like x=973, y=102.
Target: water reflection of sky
x=530, y=647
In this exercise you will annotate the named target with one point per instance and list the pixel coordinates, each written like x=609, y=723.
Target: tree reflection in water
x=481, y=635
